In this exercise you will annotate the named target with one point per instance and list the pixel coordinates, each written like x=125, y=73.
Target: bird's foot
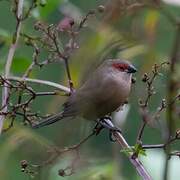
x=97, y=129
x=106, y=122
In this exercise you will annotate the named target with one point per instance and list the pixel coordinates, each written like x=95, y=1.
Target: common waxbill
x=106, y=89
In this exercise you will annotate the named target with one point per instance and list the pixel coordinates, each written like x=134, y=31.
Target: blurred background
x=143, y=35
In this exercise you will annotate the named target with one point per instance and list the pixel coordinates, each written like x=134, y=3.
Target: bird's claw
x=115, y=129
x=97, y=129
x=105, y=123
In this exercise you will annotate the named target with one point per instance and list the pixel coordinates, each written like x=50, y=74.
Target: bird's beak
x=131, y=69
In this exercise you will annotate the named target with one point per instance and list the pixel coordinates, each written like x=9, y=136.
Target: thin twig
x=140, y=132
x=68, y=74
x=57, y=151
x=46, y=93
x=39, y=81
x=12, y=49
x=170, y=141
x=149, y=80
x=153, y=146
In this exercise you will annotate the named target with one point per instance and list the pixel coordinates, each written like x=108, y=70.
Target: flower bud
x=61, y=172
x=65, y=24
x=145, y=77
x=101, y=8
x=24, y=164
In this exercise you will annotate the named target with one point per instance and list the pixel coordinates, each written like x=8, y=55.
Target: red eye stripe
x=120, y=66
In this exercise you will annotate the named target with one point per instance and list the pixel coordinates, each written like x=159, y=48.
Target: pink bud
x=65, y=24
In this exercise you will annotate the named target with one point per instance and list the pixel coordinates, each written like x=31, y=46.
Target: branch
x=140, y=132
x=172, y=90
x=134, y=160
x=149, y=80
x=55, y=153
x=12, y=49
x=165, y=145
x=44, y=82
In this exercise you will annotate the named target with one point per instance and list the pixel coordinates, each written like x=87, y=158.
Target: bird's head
x=120, y=65
x=120, y=70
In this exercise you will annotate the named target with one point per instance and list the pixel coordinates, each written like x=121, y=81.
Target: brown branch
x=144, y=104
x=26, y=95
x=56, y=152
x=34, y=61
x=140, y=132
x=172, y=91
x=164, y=146
x=68, y=74
x=53, y=36
x=61, y=56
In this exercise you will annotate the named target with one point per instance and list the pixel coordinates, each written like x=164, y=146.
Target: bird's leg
x=97, y=129
x=106, y=122
x=101, y=125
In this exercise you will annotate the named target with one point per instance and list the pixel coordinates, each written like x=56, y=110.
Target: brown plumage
x=106, y=89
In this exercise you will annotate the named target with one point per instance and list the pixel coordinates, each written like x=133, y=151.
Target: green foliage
x=127, y=151
x=136, y=150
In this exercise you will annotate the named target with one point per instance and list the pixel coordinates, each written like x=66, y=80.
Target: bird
x=105, y=90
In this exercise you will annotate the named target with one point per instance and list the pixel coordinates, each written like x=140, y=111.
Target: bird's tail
x=50, y=120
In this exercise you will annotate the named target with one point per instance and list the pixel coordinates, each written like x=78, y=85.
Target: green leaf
x=127, y=151
x=138, y=149
x=143, y=152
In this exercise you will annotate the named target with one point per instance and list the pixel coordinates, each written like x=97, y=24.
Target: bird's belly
x=109, y=105
x=108, y=100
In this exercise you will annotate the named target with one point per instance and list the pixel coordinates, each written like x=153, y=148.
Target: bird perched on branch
x=106, y=89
